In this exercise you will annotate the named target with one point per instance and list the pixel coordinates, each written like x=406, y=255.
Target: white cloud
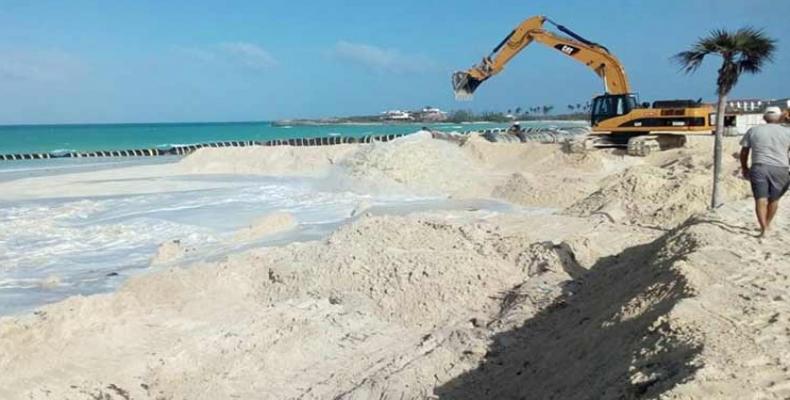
x=248, y=54
x=240, y=54
x=39, y=66
x=380, y=59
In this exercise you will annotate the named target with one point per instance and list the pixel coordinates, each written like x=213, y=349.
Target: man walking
x=770, y=171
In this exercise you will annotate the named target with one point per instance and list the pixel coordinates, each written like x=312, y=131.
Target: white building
x=397, y=115
x=745, y=105
x=433, y=114
x=749, y=112
x=755, y=105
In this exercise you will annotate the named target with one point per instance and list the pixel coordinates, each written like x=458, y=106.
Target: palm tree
x=745, y=50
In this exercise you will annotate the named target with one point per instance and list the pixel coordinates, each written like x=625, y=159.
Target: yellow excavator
x=617, y=117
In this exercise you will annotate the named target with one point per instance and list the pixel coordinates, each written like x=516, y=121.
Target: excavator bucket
x=464, y=85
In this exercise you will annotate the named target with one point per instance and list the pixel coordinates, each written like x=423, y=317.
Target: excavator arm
x=593, y=55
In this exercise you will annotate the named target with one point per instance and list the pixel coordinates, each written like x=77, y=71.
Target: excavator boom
x=593, y=55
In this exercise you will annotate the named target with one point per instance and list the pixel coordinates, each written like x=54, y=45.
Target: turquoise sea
x=48, y=138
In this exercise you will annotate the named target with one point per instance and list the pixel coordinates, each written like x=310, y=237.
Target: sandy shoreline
x=630, y=289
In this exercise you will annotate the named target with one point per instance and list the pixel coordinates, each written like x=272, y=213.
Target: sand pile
x=274, y=160
x=665, y=192
x=740, y=308
x=266, y=225
x=171, y=251
x=550, y=191
x=416, y=162
x=540, y=175
x=531, y=174
x=699, y=313
x=538, y=158
x=378, y=296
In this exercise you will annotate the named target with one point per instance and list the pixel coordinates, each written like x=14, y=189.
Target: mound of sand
x=416, y=162
x=662, y=195
x=171, y=251
x=274, y=160
x=697, y=314
x=530, y=174
x=418, y=307
x=536, y=158
x=315, y=319
x=553, y=191
x=269, y=224
x=540, y=175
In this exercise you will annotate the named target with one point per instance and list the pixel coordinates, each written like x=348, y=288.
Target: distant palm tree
x=518, y=110
x=571, y=107
x=745, y=50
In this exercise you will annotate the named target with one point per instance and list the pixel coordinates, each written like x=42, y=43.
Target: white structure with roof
x=397, y=115
x=433, y=114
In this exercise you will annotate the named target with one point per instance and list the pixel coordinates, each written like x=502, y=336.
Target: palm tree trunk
x=716, y=199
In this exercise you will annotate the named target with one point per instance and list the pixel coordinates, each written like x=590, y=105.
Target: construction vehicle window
x=625, y=105
x=602, y=107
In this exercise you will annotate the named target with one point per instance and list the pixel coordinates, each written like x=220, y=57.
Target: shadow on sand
x=609, y=340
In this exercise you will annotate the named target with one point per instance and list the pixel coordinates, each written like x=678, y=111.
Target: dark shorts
x=768, y=181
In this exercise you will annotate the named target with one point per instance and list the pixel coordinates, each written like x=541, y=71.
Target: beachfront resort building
x=427, y=114
x=432, y=114
x=397, y=115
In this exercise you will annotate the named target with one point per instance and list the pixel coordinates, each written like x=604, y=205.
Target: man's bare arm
x=745, y=162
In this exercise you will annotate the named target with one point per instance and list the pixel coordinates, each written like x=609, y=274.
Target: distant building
x=397, y=115
x=747, y=106
x=749, y=112
x=431, y=114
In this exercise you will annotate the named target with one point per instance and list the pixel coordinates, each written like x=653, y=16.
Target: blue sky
x=143, y=61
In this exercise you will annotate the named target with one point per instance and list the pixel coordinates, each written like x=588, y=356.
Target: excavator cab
x=612, y=105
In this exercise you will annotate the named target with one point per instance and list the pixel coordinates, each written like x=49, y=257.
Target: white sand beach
x=605, y=278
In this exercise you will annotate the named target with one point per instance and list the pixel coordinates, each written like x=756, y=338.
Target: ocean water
x=47, y=138
x=57, y=246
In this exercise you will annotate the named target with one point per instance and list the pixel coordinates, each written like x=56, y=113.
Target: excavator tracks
x=637, y=146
